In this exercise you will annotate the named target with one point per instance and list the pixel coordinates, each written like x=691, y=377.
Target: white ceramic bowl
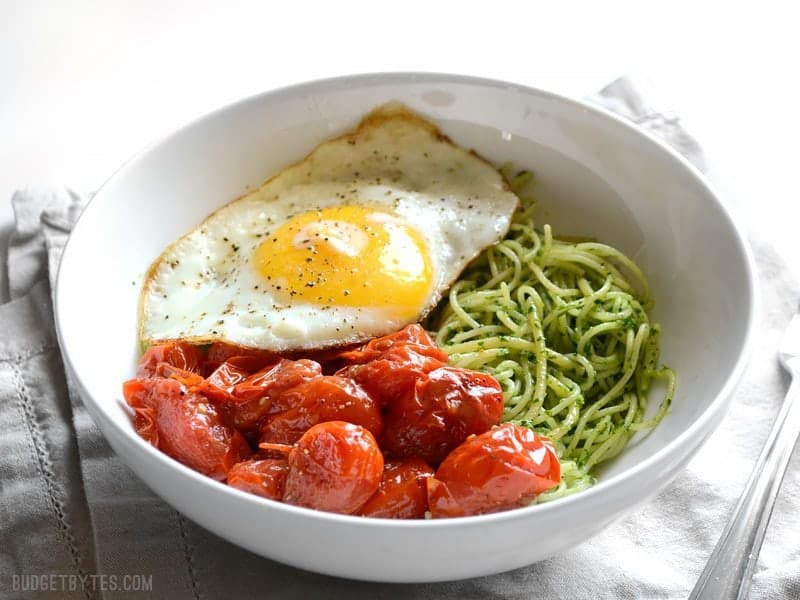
x=598, y=176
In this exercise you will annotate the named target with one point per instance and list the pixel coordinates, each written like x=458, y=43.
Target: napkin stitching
x=22, y=356
x=45, y=468
x=188, y=551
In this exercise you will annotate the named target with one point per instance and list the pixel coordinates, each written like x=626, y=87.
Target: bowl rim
x=697, y=430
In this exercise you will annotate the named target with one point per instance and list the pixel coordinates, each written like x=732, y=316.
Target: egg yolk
x=348, y=255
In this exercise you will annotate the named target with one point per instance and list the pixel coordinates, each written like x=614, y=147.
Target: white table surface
x=83, y=85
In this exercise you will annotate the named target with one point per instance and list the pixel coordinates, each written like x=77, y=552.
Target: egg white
x=205, y=288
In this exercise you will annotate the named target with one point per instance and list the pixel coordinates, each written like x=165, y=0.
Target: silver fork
x=729, y=570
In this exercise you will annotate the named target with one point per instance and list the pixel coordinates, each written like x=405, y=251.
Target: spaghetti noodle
x=563, y=326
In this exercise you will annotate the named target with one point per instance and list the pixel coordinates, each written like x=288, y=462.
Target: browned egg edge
x=391, y=111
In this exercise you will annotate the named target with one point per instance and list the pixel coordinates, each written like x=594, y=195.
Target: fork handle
x=729, y=570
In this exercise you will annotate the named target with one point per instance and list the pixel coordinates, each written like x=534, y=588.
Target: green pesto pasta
x=563, y=326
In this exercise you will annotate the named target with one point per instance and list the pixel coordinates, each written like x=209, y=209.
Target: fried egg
x=359, y=239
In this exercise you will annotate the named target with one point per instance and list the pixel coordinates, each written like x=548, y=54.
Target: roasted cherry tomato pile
x=386, y=430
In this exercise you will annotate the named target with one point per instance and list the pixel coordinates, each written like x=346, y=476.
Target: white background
x=83, y=85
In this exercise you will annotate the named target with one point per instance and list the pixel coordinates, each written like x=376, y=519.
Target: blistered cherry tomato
x=329, y=358
x=326, y=398
x=402, y=492
x=257, y=396
x=138, y=395
x=504, y=468
x=266, y=478
x=375, y=348
x=335, y=467
x=187, y=426
x=445, y=406
x=187, y=378
x=178, y=354
x=248, y=359
x=219, y=385
x=394, y=373
x=276, y=378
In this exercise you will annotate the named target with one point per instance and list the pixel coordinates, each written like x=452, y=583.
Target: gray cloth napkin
x=77, y=523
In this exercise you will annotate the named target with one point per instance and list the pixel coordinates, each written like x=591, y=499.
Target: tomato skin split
x=219, y=385
x=445, y=406
x=504, y=468
x=185, y=425
x=265, y=477
x=394, y=374
x=441, y=450
x=256, y=398
x=327, y=398
x=402, y=492
x=374, y=349
x=248, y=359
x=177, y=354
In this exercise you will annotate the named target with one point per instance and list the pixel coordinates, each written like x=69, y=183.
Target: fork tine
x=789, y=348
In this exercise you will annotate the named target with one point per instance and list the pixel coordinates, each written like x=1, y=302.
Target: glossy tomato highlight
x=258, y=396
x=264, y=477
x=327, y=398
x=177, y=354
x=501, y=469
x=186, y=426
x=445, y=406
x=317, y=433
x=402, y=492
x=335, y=467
